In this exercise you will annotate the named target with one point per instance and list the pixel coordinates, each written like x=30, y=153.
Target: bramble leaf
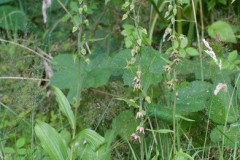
x=223, y=31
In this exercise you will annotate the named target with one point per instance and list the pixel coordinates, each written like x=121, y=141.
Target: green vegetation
x=119, y=79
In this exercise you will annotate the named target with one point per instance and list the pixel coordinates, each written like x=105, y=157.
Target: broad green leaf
x=66, y=135
x=223, y=31
x=69, y=74
x=193, y=97
x=119, y=61
x=219, y=109
x=65, y=107
x=124, y=124
x=192, y=51
x=166, y=113
x=76, y=75
x=158, y=111
x=152, y=64
x=74, y=6
x=109, y=136
x=91, y=138
x=20, y=142
x=232, y=56
x=52, y=142
x=231, y=135
x=12, y=18
x=90, y=145
x=98, y=71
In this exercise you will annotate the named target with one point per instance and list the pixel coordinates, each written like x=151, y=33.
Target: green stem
x=174, y=95
x=155, y=20
x=79, y=86
x=174, y=119
x=228, y=110
x=179, y=24
x=194, y=6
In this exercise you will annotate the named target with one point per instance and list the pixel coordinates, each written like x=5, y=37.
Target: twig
x=25, y=78
x=44, y=53
x=31, y=50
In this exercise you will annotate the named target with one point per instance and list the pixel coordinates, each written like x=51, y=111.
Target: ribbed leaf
x=52, y=142
x=90, y=145
x=65, y=106
x=92, y=138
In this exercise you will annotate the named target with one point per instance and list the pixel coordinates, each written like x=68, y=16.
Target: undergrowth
x=124, y=79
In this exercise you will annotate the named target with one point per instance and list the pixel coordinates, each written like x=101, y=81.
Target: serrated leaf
x=52, y=142
x=76, y=75
x=193, y=97
x=64, y=106
x=69, y=74
x=223, y=31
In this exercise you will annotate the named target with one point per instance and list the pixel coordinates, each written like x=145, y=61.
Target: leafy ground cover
x=123, y=79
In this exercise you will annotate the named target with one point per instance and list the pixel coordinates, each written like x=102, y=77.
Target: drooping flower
x=140, y=130
x=140, y=114
x=219, y=87
x=137, y=81
x=135, y=138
